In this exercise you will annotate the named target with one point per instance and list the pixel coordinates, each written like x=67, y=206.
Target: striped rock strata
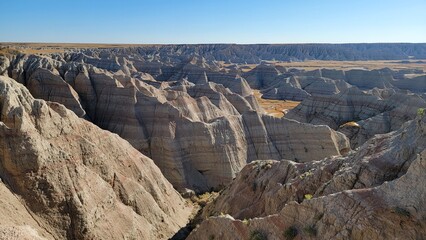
x=68, y=179
x=372, y=193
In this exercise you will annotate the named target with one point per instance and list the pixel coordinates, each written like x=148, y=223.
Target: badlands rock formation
x=197, y=131
x=64, y=178
x=375, y=112
x=191, y=109
x=373, y=193
x=256, y=53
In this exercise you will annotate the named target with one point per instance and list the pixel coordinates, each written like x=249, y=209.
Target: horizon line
x=210, y=43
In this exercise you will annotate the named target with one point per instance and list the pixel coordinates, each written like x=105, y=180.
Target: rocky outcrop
x=4, y=65
x=280, y=138
x=191, y=109
x=297, y=88
x=44, y=84
x=375, y=112
x=372, y=192
x=365, y=79
x=262, y=76
x=332, y=73
x=67, y=178
x=285, y=90
x=16, y=222
x=415, y=84
x=256, y=53
x=200, y=134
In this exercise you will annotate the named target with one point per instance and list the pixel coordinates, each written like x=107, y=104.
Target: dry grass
x=47, y=48
x=350, y=124
x=274, y=107
x=346, y=65
x=8, y=51
x=205, y=198
x=341, y=65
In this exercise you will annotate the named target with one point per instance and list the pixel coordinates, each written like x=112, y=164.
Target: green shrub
x=421, y=112
x=290, y=233
x=258, y=235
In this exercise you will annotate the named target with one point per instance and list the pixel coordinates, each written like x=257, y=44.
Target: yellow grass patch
x=274, y=107
x=350, y=124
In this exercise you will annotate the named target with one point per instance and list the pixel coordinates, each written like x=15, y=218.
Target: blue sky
x=213, y=21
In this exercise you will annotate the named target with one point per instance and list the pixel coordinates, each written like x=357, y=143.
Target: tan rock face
x=264, y=187
x=77, y=180
x=376, y=112
x=374, y=193
x=16, y=222
x=200, y=135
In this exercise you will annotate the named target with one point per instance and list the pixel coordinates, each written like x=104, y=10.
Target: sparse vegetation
x=421, y=112
x=350, y=124
x=211, y=237
x=258, y=235
x=204, y=198
x=306, y=174
x=274, y=107
x=266, y=165
x=308, y=196
x=290, y=233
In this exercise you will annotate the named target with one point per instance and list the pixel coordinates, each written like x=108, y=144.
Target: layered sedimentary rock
x=415, y=84
x=200, y=134
x=365, y=79
x=375, y=112
x=4, y=64
x=262, y=76
x=285, y=90
x=191, y=109
x=256, y=53
x=16, y=222
x=372, y=193
x=67, y=178
x=299, y=87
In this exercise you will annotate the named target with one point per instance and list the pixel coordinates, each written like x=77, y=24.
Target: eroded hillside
x=341, y=163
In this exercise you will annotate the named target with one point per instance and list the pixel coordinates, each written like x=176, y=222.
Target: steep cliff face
x=264, y=187
x=256, y=53
x=298, y=88
x=372, y=193
x=375, y=112
x=200, y=134
x=365, y=79
x=75, y=180
x=192, y=110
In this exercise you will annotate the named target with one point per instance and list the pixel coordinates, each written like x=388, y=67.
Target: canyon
x=310, y=141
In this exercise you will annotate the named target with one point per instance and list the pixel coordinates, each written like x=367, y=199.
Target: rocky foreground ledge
x=65, y=178
x=374, y=193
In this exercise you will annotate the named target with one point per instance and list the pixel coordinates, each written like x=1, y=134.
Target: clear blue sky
x=213, y=21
